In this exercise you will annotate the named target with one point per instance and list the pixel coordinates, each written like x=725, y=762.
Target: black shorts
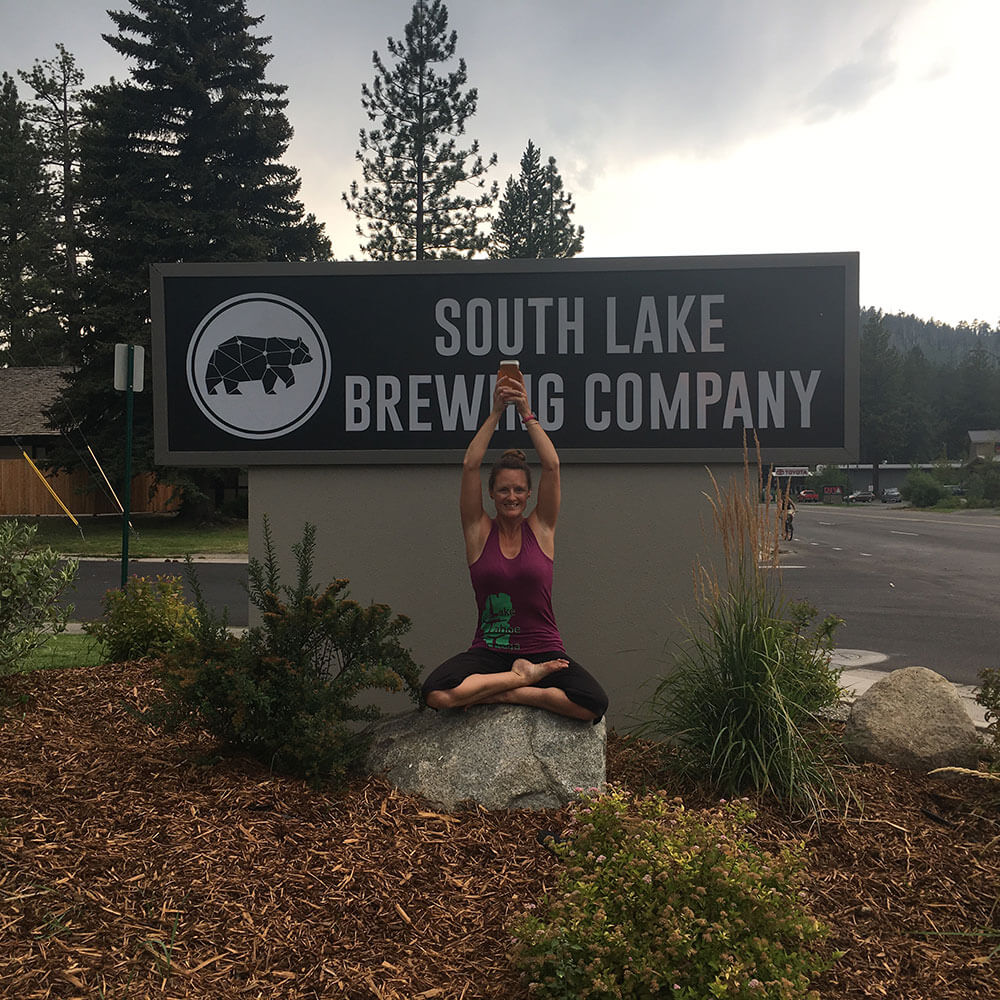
x=578, y=685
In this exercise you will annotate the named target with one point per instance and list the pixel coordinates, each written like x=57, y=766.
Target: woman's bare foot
x=534, y=672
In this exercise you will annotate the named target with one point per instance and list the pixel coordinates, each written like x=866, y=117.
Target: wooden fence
x=22, y=492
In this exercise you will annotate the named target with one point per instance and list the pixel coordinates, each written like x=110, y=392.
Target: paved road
x=222, y=584
x=922, y=589
x=913, y=588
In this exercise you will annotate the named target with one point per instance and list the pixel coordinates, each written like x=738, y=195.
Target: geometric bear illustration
x=254, y=359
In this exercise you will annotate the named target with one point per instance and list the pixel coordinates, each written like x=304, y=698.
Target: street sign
x=121, y=367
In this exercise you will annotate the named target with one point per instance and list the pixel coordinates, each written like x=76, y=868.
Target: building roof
x=25, y=394
x=984, y=437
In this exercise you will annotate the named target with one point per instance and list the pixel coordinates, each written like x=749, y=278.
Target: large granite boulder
x=913, y=719
x=499, y=756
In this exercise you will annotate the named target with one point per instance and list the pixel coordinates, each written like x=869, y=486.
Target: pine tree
x=881, y=397
x=415, y=199
x=533, y=220
x=28, y=330
x=181, y=162
x=57, y=117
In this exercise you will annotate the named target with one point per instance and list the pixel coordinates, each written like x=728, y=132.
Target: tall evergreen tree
x=57, y=117
x=920, y=417
x=881, y=397
x=181, y=162
x=533, y=219
x=973, y=401
x=28, y=330
x=423, y=196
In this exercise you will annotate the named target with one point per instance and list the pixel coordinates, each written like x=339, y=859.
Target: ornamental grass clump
x=741, y=706
x=659, y=901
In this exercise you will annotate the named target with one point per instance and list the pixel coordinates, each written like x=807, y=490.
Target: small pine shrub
x=285, y=693
x=658, y=901
x=32, y=585
x=146, y=619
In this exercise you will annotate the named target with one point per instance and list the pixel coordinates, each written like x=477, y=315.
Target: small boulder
x=912, y=719
x=499, y=756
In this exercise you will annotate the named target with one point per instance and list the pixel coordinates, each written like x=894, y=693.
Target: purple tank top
x=514, y=597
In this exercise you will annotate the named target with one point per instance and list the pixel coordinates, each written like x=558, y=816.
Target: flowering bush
x=146, y=619
x=658, y=901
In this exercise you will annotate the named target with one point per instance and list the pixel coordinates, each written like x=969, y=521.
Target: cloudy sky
x=680, y=126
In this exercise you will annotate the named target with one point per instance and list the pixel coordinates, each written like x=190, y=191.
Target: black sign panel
x=635, y=360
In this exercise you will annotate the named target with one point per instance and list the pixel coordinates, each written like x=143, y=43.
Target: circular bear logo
x=258, y=366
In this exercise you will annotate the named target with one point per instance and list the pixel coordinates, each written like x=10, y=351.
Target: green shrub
x=981, y=479
x=658, y=901
x=740, y=706
x=32, y=583
x=988, y=696
x=922, y=489
x=285, y=693
x=146, y=619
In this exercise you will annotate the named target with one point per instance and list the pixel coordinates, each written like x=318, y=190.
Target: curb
x=206, y=558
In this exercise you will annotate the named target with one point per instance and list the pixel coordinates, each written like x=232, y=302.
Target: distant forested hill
x=941, y=344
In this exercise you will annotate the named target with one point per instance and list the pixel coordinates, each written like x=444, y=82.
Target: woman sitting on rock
x=517, y=656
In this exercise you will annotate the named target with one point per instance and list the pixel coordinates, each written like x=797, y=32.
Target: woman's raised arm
x=475, y=521
x=546, y=511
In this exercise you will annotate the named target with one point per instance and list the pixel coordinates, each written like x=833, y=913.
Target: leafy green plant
x=285, y=692
x=741, y=705
x=32, y=585
x=659, y=901
x=922, y=489
x=981, y=478
x=988, y=695
x=146, y=619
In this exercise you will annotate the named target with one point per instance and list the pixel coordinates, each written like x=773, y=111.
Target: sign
x=625, y=360
x=792, y=470
x=121, y=367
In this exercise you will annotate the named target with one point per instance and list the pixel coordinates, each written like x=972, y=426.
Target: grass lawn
x=155, y=535
x=65, y=650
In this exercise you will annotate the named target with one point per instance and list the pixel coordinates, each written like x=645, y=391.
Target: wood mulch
x=138, y=864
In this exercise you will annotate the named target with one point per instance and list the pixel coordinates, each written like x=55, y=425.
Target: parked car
x=808, y=496
x=891, y=495
x=860, y=496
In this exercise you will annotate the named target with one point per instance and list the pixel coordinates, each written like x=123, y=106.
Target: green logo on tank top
x=495, y=622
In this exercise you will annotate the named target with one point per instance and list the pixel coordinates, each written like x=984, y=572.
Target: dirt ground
x=136, y=864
